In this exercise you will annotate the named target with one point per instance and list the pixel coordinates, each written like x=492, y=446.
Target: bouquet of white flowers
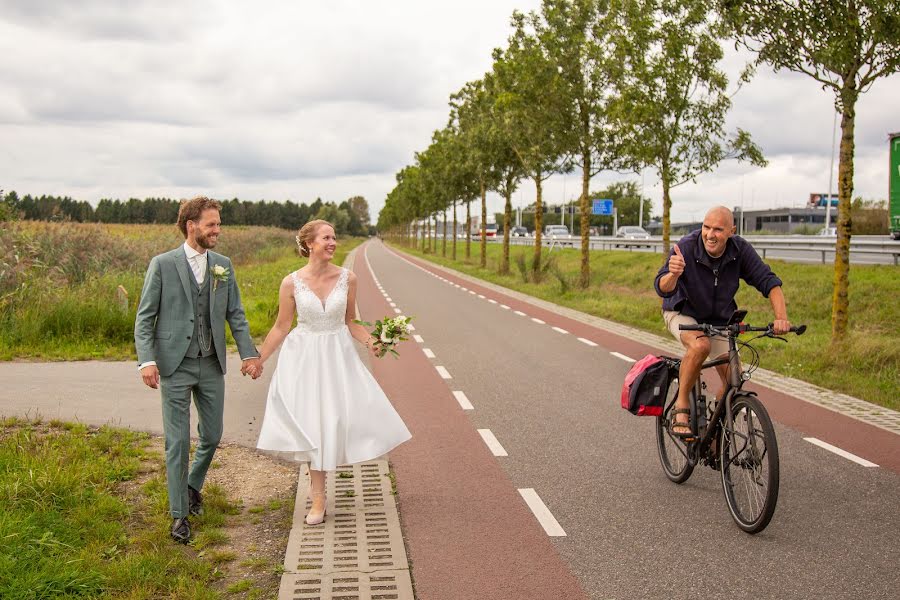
x=388, y=333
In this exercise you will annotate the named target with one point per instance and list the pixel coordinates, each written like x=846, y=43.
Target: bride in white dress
x=323, y=406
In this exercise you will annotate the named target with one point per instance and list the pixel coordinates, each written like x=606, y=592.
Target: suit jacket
x=165, y=315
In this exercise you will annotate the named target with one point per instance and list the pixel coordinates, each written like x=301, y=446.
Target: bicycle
x=733, y=435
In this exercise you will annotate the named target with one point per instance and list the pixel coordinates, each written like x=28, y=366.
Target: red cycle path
x=468, y=532
x=867, y=441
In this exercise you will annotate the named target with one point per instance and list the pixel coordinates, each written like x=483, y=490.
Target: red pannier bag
x=644, y=390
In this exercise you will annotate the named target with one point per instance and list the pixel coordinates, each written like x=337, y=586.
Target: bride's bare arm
x=286, y=308
x=359, y=333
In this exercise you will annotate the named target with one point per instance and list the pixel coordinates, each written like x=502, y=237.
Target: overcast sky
x=294, y=100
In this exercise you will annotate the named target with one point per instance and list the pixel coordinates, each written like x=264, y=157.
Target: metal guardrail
x=763, y=244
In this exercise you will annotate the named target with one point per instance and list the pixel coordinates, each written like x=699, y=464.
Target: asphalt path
x=551, y=401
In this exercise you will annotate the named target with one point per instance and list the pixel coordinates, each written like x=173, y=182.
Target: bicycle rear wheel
x=673, y=452
x=749, y=464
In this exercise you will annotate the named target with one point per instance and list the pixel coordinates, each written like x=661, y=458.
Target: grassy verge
x=58, y=283
x=83, y=513
x=867, y=365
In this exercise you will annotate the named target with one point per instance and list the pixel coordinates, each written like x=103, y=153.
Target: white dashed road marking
x=542, y=513
x=560, y=330
x=623, y=357
x=492, y=442
x=419, y=339
x=839, y=452
x=463, y=401
x=519, y=312
x=443, y=372
x=588, y=342
x=428, y=352
x=538, y=321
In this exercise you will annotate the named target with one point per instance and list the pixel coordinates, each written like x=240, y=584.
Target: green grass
x=71, y=526
x=58, y=283
x=866, y=365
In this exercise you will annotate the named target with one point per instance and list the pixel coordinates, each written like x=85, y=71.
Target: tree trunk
x=585, y=280
x=667, y=208
x=454, y=230
x=483, y=225
x=840, y=301
x=507, y=219
x=538, y=225
x=444, y=244
x=468, y=230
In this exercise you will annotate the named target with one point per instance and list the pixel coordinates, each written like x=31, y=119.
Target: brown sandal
x=684, y=428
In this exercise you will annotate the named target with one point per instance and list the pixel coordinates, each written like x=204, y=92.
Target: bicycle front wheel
x=749, y=464
x=673, y=452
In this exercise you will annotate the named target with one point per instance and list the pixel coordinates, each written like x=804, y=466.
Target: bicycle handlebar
x=736, y=328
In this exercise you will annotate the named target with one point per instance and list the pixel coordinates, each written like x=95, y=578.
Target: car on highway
x=632, y=232
x=518, y=232
x=556, y=231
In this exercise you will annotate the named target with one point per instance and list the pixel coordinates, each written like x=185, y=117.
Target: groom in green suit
x=179, y=332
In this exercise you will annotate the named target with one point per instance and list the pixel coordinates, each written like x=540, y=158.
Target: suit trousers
x=201, y=377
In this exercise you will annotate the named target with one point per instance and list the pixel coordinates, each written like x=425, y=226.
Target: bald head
x=718, y=226
x=721, y=213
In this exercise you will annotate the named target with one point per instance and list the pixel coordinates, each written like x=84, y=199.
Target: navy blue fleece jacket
x=706, y=295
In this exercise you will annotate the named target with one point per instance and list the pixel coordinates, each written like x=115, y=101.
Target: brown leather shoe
x=181, y=530
x=195, y=502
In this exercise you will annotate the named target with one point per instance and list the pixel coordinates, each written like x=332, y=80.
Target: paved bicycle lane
x=468, y=532
x=867, y=441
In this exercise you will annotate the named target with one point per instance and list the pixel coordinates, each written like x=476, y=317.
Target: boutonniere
x=219, y=273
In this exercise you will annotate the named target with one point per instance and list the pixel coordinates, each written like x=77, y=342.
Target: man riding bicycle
x=698, y=284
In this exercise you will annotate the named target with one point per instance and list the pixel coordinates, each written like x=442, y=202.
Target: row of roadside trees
x=626, y=85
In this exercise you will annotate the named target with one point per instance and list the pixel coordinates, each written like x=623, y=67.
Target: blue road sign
x=602, y=207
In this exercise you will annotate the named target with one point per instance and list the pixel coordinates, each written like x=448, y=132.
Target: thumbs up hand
x=676, y=262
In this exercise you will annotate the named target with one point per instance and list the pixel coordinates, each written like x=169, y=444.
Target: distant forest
x=350, y=217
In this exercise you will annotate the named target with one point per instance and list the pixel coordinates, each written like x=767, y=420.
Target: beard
x=206, y=242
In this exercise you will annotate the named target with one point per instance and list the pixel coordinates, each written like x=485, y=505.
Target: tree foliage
x=844, y=45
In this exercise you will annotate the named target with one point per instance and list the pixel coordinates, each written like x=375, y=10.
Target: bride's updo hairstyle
x=308, y=232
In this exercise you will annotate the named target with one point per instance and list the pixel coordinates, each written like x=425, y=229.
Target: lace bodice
x=316, y=316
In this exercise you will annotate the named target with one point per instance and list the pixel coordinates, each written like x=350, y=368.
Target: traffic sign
x=602, y=207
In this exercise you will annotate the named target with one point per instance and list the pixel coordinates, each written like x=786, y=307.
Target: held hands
x=252, y=367
x=150, y=375
x=676, y=262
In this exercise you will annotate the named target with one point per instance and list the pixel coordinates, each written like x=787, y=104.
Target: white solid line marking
x=463, y=401
x=623, y=357
x=398, y=311
x=443, y=372
x=492, y=301
x=504, y=306
x=418, y=338
x=542, y=513
x=588, y=342
x=519, y=312
x=839, y=452
x=492, y=442
x=428, y=352
x=560, y=329
x=538, y=321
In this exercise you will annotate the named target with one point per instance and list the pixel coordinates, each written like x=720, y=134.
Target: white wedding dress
x=324, y=406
